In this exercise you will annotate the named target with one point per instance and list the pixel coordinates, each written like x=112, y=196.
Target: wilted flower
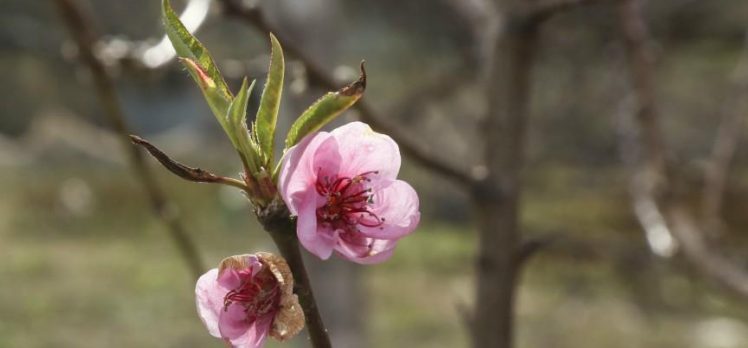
x=247, y=298
x=342, y=186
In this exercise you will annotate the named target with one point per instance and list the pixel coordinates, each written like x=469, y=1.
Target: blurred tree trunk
x=497, y=196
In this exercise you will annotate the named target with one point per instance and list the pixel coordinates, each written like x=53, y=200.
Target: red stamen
x=347, y=205
x=258, y=294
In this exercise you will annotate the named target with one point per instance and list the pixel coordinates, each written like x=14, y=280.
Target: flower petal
x=380, y=250
x=255, y=335
x=230, y=269
x=298, y=174
x=396, y=203
x=312, y=236
x=209, y=299
x=232, y=322
x=260, y=329
x=362, y=150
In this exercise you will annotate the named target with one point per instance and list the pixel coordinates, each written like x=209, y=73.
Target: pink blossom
x=247, y=298
x=343, y=188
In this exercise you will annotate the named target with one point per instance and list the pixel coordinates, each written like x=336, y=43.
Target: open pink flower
x=247, y=298
x=342, y=186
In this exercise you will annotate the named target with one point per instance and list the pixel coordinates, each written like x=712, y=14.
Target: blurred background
x=85, y=263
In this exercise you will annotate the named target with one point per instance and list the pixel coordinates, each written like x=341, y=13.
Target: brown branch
x=710, y=262
x=725, y=144
x=484, y=21
x=651, y=178
x=641, y=59
x=545, y=8
x=183, y=171
x=317, y=76
x=429, y=91
x=497, y=200
x=275, y=219
x=80, y=26
x=532, y=246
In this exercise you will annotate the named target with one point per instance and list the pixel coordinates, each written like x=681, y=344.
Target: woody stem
x=277, y=222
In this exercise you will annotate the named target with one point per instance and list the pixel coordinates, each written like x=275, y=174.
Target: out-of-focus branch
x=254, y=17
x=80, y=26
x=723, y=150
x=497, y=201
x=428, y=92
x=651, y=177
x=546, y=8
x=529, y=247
x=484, y=22
x=641, y=67
x=710, y=262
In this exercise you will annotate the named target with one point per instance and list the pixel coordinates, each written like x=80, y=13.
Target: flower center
x=259, y=295
x=348, y=202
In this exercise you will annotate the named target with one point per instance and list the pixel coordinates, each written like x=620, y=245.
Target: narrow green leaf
x=216, y=100
x=237, y=127
x=199, y=63
x=267, y=114
x=238, y=110
x=326, y=109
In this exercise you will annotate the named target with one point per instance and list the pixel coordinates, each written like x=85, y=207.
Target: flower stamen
x=259, y=295
x=347, y=203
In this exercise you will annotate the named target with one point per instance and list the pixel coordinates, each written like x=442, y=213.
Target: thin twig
x=641, y=67
x=649, y=179
x=726, y=142
x=529, y=247
x=711, y=263
x=483, y=19
x=546, y=8
x=80, y=27
x=317, y=76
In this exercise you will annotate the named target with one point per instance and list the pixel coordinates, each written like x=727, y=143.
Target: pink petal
x=398, y=204
x=255, y=335
x=312, y=236
x=381, y=250
x=258, y=331
x=232, y=322
x=298, y=173
x=209, y=299
x=363, y=150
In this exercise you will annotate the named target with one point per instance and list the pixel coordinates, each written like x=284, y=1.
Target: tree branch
x=725, y=144
x=710, y=262
x=277, y=222
x=317, y=76
x=80, y=26
x=546, y=8
x=641, y=68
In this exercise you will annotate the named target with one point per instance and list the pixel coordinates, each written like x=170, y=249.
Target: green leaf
x=267, y=114
x=237, y=127
x=326, y=109
x=199, y=63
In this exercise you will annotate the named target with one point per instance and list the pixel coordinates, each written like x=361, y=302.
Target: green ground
x=85, y=265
